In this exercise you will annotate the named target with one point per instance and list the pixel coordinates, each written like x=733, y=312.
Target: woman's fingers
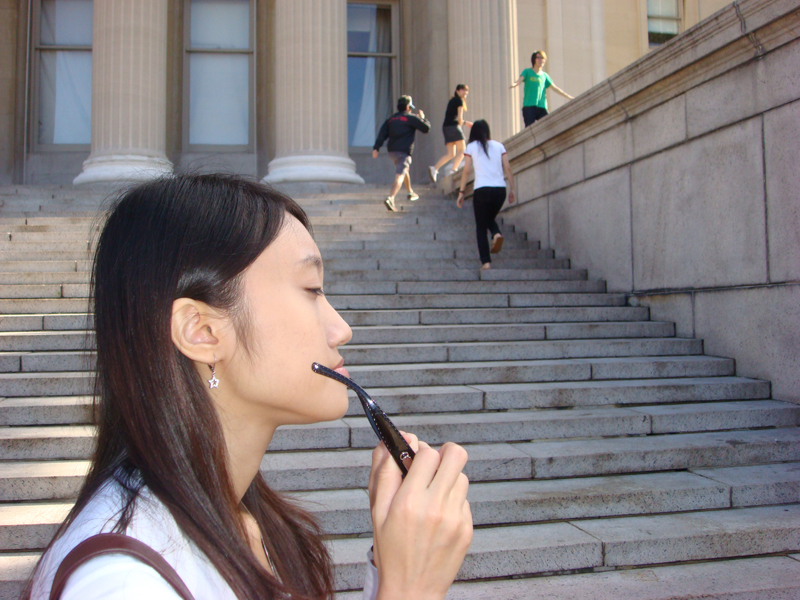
x=453, y=460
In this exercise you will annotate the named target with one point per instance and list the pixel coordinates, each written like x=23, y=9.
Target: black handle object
x=385, y=430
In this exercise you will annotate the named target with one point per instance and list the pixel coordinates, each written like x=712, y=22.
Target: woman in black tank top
x=453, y=135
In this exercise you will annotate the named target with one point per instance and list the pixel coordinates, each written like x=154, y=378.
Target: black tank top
x=451, y=114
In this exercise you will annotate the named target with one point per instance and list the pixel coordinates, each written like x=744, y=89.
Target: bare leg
x=398, y=182
x=407, y=181
x=460, y=146
x=448, y=155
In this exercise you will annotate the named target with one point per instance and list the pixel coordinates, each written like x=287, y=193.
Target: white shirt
x=488, y=167
x=121, y=577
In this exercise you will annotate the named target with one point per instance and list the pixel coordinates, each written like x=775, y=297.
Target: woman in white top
x=489, y=160
x=209, y=311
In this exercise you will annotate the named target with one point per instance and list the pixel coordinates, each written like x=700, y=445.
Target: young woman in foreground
x=490, y=161
x=209, y=311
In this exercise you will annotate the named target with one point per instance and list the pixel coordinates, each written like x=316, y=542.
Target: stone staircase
x=608, y=457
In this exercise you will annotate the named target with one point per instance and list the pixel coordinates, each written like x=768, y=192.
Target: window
x=371, y=69
x=663, y=21
x=64, y=73
x=219, y=74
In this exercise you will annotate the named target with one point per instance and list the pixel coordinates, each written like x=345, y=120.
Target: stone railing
x=677, y=180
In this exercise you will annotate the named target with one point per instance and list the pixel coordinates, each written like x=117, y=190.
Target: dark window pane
x=66, y=23
x=369, y=98
x=369, y=28
x=65, y=97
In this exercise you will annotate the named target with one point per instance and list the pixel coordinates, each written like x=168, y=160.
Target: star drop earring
x=213, y=382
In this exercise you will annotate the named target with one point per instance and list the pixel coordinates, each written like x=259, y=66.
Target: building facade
x=287, y=90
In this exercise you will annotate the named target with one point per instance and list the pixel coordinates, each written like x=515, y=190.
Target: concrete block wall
x=678, y=181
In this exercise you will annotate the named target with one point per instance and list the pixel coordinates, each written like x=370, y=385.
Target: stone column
x=311, y=93
x=597, y=27
x=482, y=41
x=129, y=92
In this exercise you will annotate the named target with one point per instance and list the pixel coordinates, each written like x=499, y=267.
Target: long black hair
x=188, y=236
x=480, y=133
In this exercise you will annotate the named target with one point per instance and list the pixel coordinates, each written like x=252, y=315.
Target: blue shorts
x=402, y=162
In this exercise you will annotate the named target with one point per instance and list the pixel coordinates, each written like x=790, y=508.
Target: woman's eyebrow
x=312, y=260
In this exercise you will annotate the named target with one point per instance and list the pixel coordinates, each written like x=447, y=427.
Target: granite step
x=21, y=306
x=29, y=526
x=44, y=322
x=63, y=410
x=76, y=360
x=588, y=544
x=76, y=441
x=429, y=374
x=440, y=342
x=453, y=274
x=553, y=459
x=768, y=578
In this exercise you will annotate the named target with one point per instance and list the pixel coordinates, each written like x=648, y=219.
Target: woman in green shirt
x=534, y=105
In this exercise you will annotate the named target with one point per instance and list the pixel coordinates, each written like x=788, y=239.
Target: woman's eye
x=317, y=291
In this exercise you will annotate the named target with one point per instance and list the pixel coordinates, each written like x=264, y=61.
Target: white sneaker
x=389, y=202
x=433, y=173
x=413, y=196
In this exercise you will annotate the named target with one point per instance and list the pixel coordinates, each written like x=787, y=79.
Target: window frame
x=250, y=52
x=679, y=20
x=37, y=48
x=394, y=55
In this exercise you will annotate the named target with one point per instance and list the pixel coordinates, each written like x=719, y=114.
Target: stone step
x=25, y=265
x=456, y=275
x=568, y=302
x=43, y=278
x=639, y=391
x=76, y=441
x=438, y=252
x=44, y=322
x=64, y=410
x=387, y=247
x=21, y=306
x=426, y=374
x=29, y=526
x=522, y=332
x=488, y=316
x=586, y=544
x=487, y=427
x=79, y=360
x=308, y=470
x=741, y=579
x=758, y=485
x=662, y=452
x=483, y=373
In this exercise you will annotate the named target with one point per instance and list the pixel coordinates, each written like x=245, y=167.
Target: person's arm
x=422, y=524
x=383, y=134
x=460, y=115
x=517, y=82
x=510, y=177
x=558, y=90
x=421, y=123
x=464, y=175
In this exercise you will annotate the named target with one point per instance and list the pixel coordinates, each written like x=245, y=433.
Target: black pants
x=531, y=114
x=487, y=202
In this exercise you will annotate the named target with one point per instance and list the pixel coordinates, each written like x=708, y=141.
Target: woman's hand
x=460, y=201
x=422, y=524
x=512, y=197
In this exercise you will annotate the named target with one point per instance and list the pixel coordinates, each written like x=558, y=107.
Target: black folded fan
x=383, y=427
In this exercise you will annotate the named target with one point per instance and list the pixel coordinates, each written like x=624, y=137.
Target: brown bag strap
x=115, y=543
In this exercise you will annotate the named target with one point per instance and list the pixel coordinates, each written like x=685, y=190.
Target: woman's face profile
x=290, y=325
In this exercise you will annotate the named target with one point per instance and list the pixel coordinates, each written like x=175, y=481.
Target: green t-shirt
x=535, y=86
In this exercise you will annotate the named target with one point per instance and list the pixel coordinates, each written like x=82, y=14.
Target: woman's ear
x=196, y=330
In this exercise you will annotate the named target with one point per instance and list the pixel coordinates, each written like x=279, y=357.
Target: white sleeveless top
x=121, y=577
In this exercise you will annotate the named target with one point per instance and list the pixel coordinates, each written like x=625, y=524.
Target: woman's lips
x=339, y=368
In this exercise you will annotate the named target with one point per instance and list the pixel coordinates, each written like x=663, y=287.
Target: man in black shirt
x=400, y=129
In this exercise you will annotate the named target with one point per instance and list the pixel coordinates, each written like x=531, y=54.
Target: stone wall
x=678, y=181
